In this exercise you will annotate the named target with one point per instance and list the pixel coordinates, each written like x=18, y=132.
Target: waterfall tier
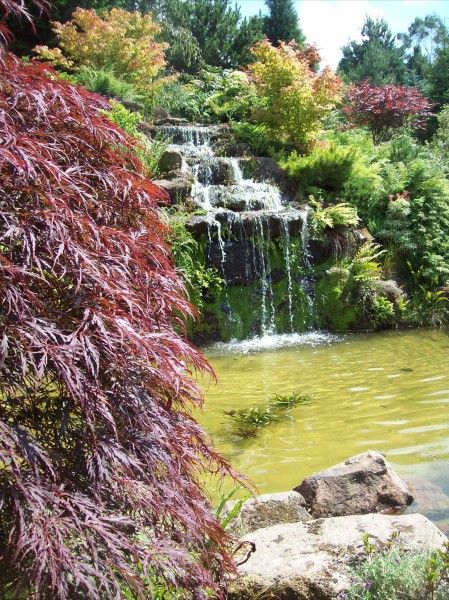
x=252, y=235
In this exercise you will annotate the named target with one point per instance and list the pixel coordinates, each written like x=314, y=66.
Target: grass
x=248, y=422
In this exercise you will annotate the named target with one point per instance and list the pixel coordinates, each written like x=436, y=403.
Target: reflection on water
x=386, y=391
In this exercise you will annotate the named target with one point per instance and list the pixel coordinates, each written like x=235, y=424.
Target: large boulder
x=270, y=509
x=171, y=160
x=178, y=188
x=311, y=560
x=365, y=483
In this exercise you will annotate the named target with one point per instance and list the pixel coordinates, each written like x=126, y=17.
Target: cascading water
x=250, y=231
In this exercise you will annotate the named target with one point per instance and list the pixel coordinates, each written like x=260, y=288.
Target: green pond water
x=387, y=391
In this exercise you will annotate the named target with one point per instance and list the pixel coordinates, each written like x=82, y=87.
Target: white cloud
x=331, y=23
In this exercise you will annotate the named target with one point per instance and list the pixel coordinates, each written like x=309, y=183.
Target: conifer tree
x=376, y=59
x=281, y=24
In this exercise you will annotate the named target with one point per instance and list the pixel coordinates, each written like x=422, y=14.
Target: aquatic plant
x=249, y=421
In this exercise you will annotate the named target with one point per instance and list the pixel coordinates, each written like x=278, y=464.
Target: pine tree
x=281, y=24
x=376, y=59
x=223, y=37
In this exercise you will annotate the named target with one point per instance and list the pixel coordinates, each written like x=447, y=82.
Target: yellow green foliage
x=295, y=98
x=121, y=41
x=53, y=56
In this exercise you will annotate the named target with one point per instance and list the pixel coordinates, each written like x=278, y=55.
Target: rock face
x=171, y=160
x=271, y=509
x=365, y=483
x=178, y=188
x=305, y=561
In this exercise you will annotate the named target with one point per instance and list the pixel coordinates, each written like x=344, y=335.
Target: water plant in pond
x=286, y=401
x=249, y=421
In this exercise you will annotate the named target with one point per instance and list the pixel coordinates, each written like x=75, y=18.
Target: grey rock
x=178, y=189
x=310, y=560
x=171, y=121
x=365, y=483
x=160, y=113
x=171, y=160
x=132, y=105
x=270, y=509
x=199, y=225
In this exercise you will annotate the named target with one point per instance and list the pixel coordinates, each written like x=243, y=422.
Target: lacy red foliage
x=99, y=458
x=383, y=107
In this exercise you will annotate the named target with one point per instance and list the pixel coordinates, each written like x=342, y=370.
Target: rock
x=270, y=509
x=171, y=160
x=216, y=171
x=179, y=188
x=243, y=262
x=365, y=483
x=132, y=105
x=389, y=289
x=199, y=225
x=160, y=113
x=305, y=561
x=429, y=500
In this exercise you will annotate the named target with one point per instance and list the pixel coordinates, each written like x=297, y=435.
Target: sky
x=331, y=23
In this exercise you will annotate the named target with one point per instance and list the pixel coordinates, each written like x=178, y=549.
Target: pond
x=387, y=391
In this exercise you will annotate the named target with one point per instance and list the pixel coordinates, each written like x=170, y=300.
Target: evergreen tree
x=281, y=24
x=223, y=37
x=422, y=44
x=377, y=58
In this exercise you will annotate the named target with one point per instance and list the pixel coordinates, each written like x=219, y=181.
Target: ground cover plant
x=390, y=571
x=99, y=457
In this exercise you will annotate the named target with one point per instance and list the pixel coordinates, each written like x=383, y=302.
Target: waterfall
x=288, y=270
x=306, y=282
x=248, y=227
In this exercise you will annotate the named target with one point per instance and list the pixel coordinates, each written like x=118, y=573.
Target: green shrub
x=183, y=52
x=345, y=292
x=103, y=81
x=257, y=136
x=328, y=167
x=148, y=151
x=234, y=97
x=383, y=312
x=335, y=215
x=201, y=281
x=398, y=575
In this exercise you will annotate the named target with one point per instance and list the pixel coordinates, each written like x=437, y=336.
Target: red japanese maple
x=382, y=108
x=99, y=457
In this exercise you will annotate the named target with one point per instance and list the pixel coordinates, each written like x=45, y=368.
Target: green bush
x=148, y=151
x=103, y=81
x=201, y=281
x=328, y=167
x=397, y=575
x=335, y=215
x=345, y=292
x=256, y=136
